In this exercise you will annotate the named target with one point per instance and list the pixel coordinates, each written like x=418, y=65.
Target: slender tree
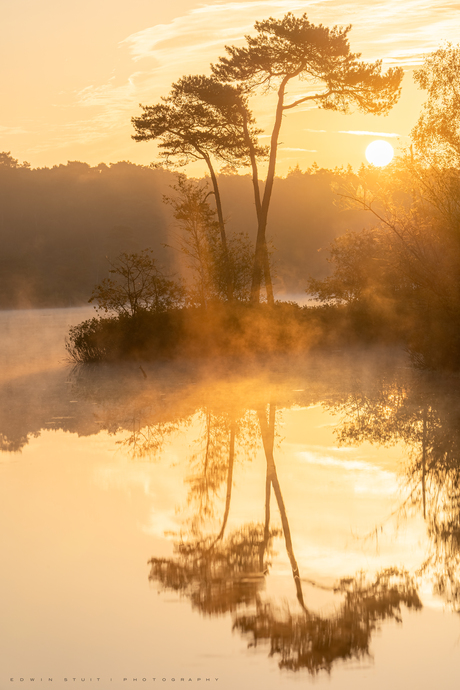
x=199, y=243
x=290, y=51
x=232, y=103
x=198, y=240
x=203, y=119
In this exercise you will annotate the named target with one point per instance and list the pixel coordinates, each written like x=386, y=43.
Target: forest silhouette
x=54, y=247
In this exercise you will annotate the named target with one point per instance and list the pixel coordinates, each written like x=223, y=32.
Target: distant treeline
x=58, y=225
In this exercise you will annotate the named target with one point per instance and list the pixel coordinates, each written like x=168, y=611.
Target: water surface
x=264, y=524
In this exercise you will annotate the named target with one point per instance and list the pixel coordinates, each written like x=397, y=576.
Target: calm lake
x=236, y=525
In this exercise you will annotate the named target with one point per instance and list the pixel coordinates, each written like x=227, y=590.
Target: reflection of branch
x=263, y=545
x=424, y=462
x=423, y=412
x=217, y=577
x=211, y=465
x=315, y=642
x=226, y=435
x=231, y=460
x=268, y=436
x=147, y=440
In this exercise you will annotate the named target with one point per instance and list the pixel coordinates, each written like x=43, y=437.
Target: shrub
x=138, y=285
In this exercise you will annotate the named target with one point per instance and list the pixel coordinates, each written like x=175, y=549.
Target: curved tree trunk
x=252, y=158
x=261, y=263
x=261, y=260
x=223, y=236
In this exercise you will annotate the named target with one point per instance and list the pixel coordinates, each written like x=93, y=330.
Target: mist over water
x=196, y=519
x=33, y=339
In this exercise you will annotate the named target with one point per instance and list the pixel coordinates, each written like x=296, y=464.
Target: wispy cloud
x=391, y=30
x=396, y=31
x=289, y=148
x=362, y=133
x=358, y=132
x=207, y=27
x=10, y=131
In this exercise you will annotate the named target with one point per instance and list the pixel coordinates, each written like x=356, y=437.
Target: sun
x=379, y=152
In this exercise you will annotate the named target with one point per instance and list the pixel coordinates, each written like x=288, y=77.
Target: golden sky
x=73, y=74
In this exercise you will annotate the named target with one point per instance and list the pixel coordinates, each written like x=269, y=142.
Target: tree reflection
x=144, y=414
x=146, y=440
x=217, y=577
x=267, y=429
x=225, y=435
x=423, y=411
x=228, y=575
x=314, y=642
x=222, y=566
x=233, y=417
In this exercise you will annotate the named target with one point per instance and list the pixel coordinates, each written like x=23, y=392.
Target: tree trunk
x=223, y=236
x=261, y=262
